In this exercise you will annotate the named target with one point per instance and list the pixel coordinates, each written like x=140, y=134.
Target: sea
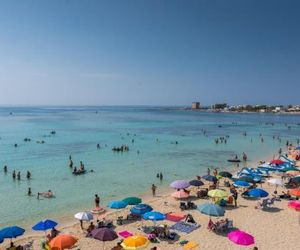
x=179, y=143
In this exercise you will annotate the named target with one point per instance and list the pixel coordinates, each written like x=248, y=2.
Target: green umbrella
x=225, y=174
x=132, y=200
x=247, y=179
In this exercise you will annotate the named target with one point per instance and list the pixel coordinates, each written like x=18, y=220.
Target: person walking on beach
x=153, y=188
x=97, y=200
x=234, y=195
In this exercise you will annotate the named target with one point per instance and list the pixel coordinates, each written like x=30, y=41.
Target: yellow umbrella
x=135, y=242
x=217, y=193
x=191, y=245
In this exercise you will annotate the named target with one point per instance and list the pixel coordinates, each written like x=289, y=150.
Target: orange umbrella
x=295, y=192
x=293, y=172
x=63, y=241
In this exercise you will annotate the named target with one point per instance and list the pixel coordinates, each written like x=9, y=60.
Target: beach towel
x=191, y=245
x=125, y=234
x=184, y=227
x=175, y=217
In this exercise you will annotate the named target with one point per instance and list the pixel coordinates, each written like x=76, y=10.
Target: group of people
x=76, y=171
x=16, y=175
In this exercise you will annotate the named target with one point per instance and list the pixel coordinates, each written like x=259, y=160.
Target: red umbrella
x=277, y=162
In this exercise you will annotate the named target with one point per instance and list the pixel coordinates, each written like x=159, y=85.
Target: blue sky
x=71, y=52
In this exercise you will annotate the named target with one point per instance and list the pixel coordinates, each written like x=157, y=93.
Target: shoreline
x=67, y=222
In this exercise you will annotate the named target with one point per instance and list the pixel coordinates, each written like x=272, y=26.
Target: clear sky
x=149, y=52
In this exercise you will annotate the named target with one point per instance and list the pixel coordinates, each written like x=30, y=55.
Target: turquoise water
x=118, y=175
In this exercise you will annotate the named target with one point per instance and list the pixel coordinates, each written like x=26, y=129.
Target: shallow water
x=118, y=175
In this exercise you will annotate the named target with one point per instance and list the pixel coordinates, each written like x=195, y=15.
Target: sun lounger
x=184, y=227
x=175, y=217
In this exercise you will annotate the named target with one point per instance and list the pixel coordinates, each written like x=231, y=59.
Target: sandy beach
x=274, y=228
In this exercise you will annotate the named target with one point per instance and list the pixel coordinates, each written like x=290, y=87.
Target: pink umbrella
x=180, y=194
x=241, y=238
x=294, y=205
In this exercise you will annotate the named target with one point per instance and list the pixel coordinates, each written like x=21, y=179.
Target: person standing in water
x=5, y=169
x=14, y=174
x=19, y=175
x=29, y=193
x=161, y=176
x=97, y=200
x=153, y=189
x=71, y=163
x=28, y=175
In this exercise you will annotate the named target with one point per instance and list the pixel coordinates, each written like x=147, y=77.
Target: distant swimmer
x=28, y=175
x=29, y=193
x=16, y=145
x=132, y=141
x=48, y=194
x=19, y=175
x=138, y=152
x=161, y=176
x=98, y=146
x=5, y=169
x=71, y=163
x=70, y=157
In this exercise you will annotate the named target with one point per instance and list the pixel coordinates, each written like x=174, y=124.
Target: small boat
x=234, y=160
x=79, y=172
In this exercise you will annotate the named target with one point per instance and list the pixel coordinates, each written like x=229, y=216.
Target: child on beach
x=153, y=188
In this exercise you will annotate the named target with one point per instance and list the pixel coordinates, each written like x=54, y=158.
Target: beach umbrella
x=135, y=242
x=241, y=238
x=277, y=162
x=298, y=148
x=1, y=239
x=103, y=234
x=196, y=183
x=210, y=178
x=292, y=172
x=132, y=200
x=292, y=168
x=62, y=241
x=225, y=174
x=44, y=225
x=217, y=193
x=257, y=193
x=295, y=192
x=277, y=182
x=11, y=232
x=117, y=204
x=240, y=183
x=154, y=216
x=180, y=184
x=211, y=209
x=294, y=205
x=180, y=194
x=141, y=209
x=296, y=179
x=191, y=245
x=84, y=216
x=247, y=179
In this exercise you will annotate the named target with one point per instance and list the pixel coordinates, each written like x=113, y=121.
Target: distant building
x=196, y=105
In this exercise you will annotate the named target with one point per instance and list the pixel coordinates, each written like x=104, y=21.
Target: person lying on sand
x=48, y=194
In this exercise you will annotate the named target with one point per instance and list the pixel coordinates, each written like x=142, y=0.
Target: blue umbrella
x=298, y=148
x=1, y=239
x=11, y=232
x=44, y=225
x=211, y=209
x=210, y=178
x=241, y=184
x=117, y=204
x=141, y=209
x=257, y=193
x=154, y=216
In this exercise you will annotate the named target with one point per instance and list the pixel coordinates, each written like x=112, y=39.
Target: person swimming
x=48, y=194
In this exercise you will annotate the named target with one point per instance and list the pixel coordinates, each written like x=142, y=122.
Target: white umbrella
x=84, y=216
x=277, y=182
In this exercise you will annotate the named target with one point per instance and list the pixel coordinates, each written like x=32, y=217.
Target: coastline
x=68, y=223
